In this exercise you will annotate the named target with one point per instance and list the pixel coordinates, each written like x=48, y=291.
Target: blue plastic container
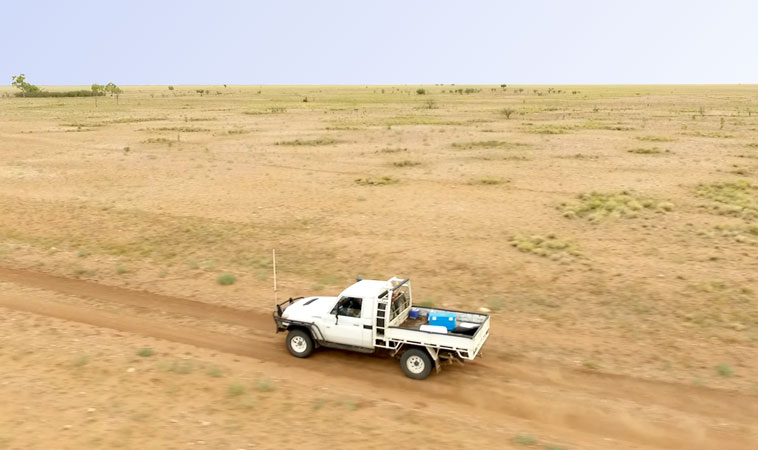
x=413, y=313
x=443, y=319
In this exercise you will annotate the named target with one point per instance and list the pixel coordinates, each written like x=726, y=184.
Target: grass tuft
x=145, y=352
x=655, y=138
x=597, y=206
x=735, y=198
x=548, y=246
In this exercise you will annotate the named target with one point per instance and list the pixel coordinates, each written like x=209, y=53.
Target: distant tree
x=170, y=88
x=112, y=89
x=19, y=81
x=97, y=90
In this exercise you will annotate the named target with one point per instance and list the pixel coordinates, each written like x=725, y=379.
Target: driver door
x=344, y=324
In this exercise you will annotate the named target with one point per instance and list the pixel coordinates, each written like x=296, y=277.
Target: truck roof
x=365, y=288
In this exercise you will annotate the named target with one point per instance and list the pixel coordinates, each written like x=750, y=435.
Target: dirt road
x=589, y=409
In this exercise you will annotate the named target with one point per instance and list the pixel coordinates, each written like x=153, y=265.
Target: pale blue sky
x=379, y=42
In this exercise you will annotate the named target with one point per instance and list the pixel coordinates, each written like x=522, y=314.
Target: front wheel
x=300, y=343
x=416, y=363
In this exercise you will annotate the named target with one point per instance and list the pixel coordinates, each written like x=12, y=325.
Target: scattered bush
x=158, y=140
x=486, y=144
x=145, y=352
x=55, y=94
x=180, y=129
x=405, y=163
x=235, y=390
x=725, y=370
x=376, y=181
x=264, y=385
x=548, y=246
x=81, y=361
x=491, y=181
x=226, y=279
x=507, y=112
x=421, y=91
x=596, y=206
x=181, y=367
x=525, y=440
x=655, y=138
x=309, y=142
x=736, y=198
x=646, y=151
x=746, y=234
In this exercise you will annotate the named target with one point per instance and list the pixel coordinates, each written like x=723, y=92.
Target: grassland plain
x=171, y=189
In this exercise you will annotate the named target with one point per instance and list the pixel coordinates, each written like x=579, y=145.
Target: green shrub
x=725, y=370
x=525, y=440
x=226, y=279
x=421, y=91
x=81, y=361
x=264, y=385
x=235, y=390
x=145, y=352
x=56, y=94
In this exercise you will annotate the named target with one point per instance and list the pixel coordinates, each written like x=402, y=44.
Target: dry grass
x=383, y=181
x=731, y=198
x=597, y=206
x=548, y=246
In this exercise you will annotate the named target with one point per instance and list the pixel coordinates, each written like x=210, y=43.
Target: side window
x=348, y=306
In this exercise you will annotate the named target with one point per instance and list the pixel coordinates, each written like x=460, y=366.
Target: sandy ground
x=633, y=324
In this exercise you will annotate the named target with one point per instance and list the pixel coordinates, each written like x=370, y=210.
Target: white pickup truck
x=371, y=315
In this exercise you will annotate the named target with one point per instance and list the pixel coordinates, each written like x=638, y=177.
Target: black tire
x=302, y=347
x=416, y=363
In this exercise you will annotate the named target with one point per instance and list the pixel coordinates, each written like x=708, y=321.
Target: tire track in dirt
x=135, y=298
x=561, y=401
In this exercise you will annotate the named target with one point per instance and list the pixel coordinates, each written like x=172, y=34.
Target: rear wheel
x=416, y=363
x=300, y=343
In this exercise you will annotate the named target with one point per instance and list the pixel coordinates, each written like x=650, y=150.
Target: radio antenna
x=273, y=258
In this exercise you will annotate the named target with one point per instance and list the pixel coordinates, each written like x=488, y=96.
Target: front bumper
x=281, y=324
